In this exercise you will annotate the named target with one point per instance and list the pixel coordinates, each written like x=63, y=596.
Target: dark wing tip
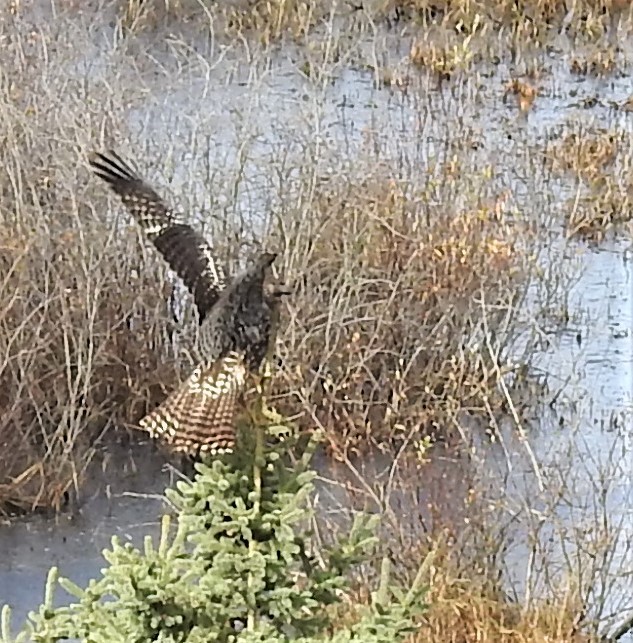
x=97, y=158
x=109, y=165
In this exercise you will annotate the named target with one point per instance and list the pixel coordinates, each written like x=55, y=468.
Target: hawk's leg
x=262, y=413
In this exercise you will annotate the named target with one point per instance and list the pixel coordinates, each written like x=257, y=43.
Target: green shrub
x=239, y=566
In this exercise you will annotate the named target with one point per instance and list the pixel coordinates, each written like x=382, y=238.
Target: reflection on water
x=581, y=444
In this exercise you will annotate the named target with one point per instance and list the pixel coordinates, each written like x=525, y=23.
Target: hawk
x=236, y=319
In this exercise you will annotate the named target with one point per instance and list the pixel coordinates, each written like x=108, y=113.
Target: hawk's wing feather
x=185, y=250
x=199, y=416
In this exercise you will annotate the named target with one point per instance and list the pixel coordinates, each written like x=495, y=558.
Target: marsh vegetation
x=442, y=181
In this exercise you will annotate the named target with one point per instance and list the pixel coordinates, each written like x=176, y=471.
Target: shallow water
x=582, y=444
x=126, y=506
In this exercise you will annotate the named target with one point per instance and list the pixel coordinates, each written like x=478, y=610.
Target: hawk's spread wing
x=186, y=251
x=198, y=417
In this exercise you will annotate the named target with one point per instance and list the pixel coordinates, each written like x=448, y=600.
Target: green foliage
x=237, y=566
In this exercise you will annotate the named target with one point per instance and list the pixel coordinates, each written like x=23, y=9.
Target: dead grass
x=84, y=318
x=532, y=20
x=586, y=153
x=524, y=92
x=601, y=210
x=443, y=60
x=266, y=20
x=600, y=62
x=271, y=20
x=597, y=159
x=403, y=316
x=463, y=608
x=465, y=604
x=395, y=295
x=502, y=25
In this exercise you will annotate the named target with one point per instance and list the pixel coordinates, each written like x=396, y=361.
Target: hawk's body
x=241, y=319
x=236, y=319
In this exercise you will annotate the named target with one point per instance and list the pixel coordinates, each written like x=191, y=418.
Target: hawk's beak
x=280, y=290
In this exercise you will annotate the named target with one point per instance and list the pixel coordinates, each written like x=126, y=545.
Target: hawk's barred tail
x=199, y=416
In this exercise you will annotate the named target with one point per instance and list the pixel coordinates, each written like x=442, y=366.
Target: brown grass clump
x=531, y=23
x=267, y=20
x=442, y=60
x=604, y=207
x=528, y=22
x=463, y=608
x=586, y=153
x=524, y=92
x=77, y=359
x=596, y=158
x=396, y=294
x=270, y=20
x=81, y=353
x=599, y=62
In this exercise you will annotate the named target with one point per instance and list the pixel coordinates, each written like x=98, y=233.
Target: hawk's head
x=272, y=290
